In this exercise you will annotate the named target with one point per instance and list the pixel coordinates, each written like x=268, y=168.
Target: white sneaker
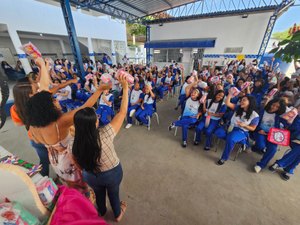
x=128, y=125
x=132, y=112
x=257, y=168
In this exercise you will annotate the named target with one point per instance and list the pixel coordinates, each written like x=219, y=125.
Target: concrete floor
x=165, y=184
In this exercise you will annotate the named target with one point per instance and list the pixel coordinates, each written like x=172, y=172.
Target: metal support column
x=148, y=56
x=280, y=8
x=67, y=13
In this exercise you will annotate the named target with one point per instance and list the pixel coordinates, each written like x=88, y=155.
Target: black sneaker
x=196, y=143
x=285, y=176
x=273, y=167
x=221, y=162
x=206, y=148
x=184, y=144
x=171, y=127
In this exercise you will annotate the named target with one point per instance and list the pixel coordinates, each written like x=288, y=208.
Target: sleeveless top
x=61, y=159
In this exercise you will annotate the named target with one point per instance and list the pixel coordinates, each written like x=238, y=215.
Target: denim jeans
x=42, y=152
x=102, y=182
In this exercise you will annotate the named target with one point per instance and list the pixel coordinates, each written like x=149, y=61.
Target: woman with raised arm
x=94, y=151
x=244, y=119
x=49, y=126
x=191, y=112
x=22, y=91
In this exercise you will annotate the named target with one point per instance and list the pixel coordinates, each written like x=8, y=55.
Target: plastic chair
x=154, y=113
x=191, y=126
x=238, y=147
x=177, y=88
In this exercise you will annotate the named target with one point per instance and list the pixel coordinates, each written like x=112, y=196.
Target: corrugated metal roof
x=135, y=10
x=142, y=8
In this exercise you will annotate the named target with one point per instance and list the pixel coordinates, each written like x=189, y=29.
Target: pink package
x=106, y=78
x=46, y=189
x=128, y=76
x=234, y=91
x=245, y=85
x=89, y=76
x=31, y=50
x=207, y=121
x=191, y=79
x=290, y=115
x=215, y=79
x=272, y=92
x=203, y=99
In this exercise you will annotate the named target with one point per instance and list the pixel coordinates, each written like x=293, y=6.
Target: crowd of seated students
x=52, y=99
x=209, y=106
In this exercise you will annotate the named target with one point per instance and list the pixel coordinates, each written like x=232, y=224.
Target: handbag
x=279, y=136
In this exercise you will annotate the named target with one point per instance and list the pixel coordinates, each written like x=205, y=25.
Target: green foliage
x=288, y=49
x=281, y=35
x=136, y=29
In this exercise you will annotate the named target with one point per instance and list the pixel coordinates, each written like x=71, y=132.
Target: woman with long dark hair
x=49, y=126
x=94, y=152
x=191, y=112
x=244, y=119
x=214, y=109
x=269, y=117
x=22, y=91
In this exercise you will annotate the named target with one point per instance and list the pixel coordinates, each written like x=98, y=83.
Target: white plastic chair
x=149, y=120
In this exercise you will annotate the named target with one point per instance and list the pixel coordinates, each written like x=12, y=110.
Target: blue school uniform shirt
x=253, y=120
x=168, y=80
x=148, y=99
x=158, y=81
x=213, y=109
x=109, y=98
x=135, y=96
x=182, y=91
x=191, y=107
x=294, y=128
x=267, y=121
